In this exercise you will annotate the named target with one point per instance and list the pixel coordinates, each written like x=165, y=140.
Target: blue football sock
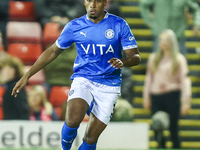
x=85, y=146
x=68, y=136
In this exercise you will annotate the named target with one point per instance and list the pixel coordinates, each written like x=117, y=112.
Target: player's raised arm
x=133, y=58
x=46, y=57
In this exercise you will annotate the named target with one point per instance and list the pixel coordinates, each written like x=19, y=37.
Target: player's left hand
x=116, y=63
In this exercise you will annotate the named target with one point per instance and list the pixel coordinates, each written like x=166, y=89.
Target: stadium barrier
x=36, y=134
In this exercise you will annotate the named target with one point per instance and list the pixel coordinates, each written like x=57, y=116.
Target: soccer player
x=100, y=38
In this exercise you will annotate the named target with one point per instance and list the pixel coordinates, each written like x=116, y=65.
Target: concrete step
x=182, y=133
x=142, y=111
x=189, y=44
x=182, y=122
x=140, y=21
x=128, y=0
x=139, y=89
x=145, y=55
x=147, y=32
x=141, y=78
x=143, y=67
x=130, y=9
x=138, y=101
x=184, y=144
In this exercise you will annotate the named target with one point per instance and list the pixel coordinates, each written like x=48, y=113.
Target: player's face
x=95, y=9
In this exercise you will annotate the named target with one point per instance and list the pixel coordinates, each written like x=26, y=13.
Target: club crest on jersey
x=109, y=33
x=71, y=92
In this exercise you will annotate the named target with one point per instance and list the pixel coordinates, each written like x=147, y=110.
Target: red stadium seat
x=38, y=78
x=1, y=113
x=27, y=52
x=22, y=11
x=50, y=33
x=58, y=111
x=2, y=48
x=58, y=95
x=2, y=90
x=23, y=32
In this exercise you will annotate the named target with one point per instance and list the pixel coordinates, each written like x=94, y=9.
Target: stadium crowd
x=50, y=17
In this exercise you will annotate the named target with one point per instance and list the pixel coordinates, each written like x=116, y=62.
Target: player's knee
x=73, y=122
x=90, y=140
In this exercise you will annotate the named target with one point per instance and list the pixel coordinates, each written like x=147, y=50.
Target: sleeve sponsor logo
x=131, y=38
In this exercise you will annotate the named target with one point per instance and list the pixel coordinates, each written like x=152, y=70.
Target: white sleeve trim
x=129, y=47
x=58, y=45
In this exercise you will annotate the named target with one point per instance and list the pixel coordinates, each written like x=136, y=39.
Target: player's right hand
x=19, y=85
x=116, y=63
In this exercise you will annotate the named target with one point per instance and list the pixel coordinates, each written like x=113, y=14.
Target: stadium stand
x=50, y=33
x=1, y=113
x=2, y=90
x=189, y=124
x=58, y=111
x=38, y=78
x=23, y=32
x=21, y=11
x=58, y=95
x=27, y=52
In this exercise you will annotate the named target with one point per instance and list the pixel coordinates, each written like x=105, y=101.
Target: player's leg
x=75, y=113
x=79, y=99
x=93, y=131
x=105, y=98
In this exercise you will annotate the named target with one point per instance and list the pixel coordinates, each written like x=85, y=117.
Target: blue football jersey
x=96, y=44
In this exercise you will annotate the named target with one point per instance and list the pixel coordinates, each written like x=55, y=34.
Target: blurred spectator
x=54, y=10
x=113, y=7
x=4, y=18
x=167, y=87
x=3, y=53
x=40, y=107
x=11, y=70
x=123, y=111
x=1, y=42
x=4, y=15
x=170, y=14
x=63, y=66
x=127, y=85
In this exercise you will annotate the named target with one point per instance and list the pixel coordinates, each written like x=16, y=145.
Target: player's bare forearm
x=133, y=58
x=46, y=57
